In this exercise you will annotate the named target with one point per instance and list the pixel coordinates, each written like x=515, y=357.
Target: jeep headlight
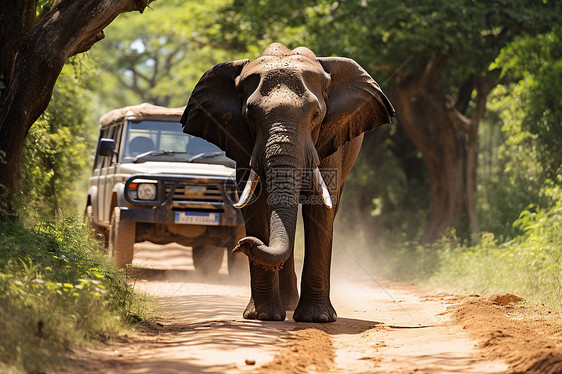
x=146, y=191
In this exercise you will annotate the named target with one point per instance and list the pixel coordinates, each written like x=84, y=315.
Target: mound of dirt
x=307, y=350
x=529, y=339
x=505, y=299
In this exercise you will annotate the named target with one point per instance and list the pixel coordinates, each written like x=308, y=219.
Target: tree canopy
x=436, y=59
x=159, y=57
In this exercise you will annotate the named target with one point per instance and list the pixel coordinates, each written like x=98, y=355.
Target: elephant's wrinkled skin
x=283, y=115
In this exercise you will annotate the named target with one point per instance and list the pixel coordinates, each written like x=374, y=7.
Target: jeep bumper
x=170, y=207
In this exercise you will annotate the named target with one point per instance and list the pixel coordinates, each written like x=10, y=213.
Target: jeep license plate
x=197, y=218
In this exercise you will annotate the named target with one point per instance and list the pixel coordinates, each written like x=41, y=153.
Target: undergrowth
x=58, y=291
x=529, y=265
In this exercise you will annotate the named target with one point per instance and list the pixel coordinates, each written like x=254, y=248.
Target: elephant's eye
x=250, y=115
x=316, y=114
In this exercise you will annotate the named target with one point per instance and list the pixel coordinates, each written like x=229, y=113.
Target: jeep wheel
x=207, y=258
x=121, y=240
x=237, y=264
x=99, y=232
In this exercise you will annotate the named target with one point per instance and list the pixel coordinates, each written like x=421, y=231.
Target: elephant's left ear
x=355, y=103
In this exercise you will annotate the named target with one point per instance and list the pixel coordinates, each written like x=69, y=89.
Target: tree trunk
x=436, y=129
x=35, y=56
x=425, y=120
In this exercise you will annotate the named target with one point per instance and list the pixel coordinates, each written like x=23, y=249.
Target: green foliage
x=57, y=290
x=542, y=78
x=537, y=62
x=159, y=57
x=43, y=7
x=58, y=150
x=529, y=265
x=385, y=34
x=511, y=173
x=520, y=149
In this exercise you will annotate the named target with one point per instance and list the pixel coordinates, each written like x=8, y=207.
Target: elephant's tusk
x=251, y=184
x=323, y=188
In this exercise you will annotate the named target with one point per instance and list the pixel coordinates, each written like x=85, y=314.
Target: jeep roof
x=140, y=112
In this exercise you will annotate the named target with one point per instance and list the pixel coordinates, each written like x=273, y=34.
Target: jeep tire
x=207, y=258
x=121, y=239
x=238, y=265
x=98, y=231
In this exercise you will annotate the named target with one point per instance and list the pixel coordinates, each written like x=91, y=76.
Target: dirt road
x=382, y=327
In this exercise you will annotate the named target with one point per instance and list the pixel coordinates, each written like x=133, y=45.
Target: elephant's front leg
x=265, y=301
x=314, y=304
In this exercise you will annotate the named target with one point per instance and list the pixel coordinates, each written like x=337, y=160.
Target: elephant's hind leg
x=314, y=304
x=288, y=284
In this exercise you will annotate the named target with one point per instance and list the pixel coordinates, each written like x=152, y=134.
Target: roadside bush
x=57, y=291
x=529, y=265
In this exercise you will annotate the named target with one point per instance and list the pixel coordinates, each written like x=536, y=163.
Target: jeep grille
x=184, y=197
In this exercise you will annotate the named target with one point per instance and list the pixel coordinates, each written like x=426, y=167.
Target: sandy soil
x=382, y=327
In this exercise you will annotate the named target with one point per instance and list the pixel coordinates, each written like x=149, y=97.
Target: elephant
x=289, y=118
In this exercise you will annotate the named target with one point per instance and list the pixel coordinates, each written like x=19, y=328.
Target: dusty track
x=382, y=327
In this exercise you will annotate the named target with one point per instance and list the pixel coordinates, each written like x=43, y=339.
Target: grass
x=58, y=291
x=530, y=265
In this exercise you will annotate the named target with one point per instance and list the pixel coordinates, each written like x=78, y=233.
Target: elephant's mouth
x=282, y=224
x=250, y=247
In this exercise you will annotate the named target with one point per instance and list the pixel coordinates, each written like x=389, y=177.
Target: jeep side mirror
x=107, y=147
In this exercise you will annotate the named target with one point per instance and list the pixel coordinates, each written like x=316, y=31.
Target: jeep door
x=107, y=178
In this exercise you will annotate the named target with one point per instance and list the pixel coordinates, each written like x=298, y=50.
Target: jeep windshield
x=164, y=141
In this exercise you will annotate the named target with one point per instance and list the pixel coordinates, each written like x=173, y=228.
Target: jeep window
x=115, y=134
x=97, y=159
x=162, y=141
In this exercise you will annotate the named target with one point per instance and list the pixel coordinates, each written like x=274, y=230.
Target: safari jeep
x=152, y=182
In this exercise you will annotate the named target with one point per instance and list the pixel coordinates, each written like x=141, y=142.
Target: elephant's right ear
x=214, y=112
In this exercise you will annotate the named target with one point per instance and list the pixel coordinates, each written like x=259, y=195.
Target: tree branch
x=482, y=89
x=132, y=60
x=87, y=43
x=37, y=56
x=464, y=94
x=459, y=120
x=432, y=72
x=155, y=69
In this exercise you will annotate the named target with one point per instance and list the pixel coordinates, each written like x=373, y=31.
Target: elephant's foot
x=265, y=310
x=308, y=311
x=289, y=293
x=290, y=300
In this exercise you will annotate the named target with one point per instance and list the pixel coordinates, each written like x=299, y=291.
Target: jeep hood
x=178, y=168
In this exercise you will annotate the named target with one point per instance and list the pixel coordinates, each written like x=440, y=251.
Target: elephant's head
x=285, y=110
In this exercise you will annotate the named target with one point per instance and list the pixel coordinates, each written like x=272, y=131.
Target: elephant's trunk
x=282, y=236
x=283, y=167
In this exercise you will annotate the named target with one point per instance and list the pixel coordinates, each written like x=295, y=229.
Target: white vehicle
x=152, y=182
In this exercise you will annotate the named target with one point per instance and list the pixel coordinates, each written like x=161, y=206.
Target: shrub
x=529, y=265
x=57, y=291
